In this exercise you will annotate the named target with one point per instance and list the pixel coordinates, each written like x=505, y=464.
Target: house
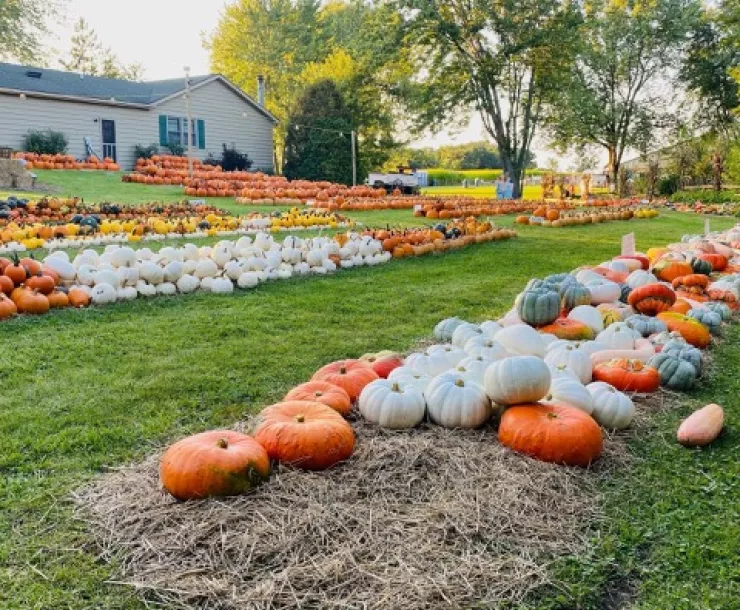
x=115, y=115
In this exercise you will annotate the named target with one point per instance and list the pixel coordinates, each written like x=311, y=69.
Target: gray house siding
x=228, y=119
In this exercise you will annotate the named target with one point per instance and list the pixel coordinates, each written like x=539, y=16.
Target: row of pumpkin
x=121, y=273
x=91, y=231
x=562, y=364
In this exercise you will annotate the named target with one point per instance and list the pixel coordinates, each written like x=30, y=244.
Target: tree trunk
x=613, y=164
x=515, y=175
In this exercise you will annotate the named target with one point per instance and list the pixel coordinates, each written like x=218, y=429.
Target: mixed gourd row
x=553, y=218
x=121, y=273
x=558, y=367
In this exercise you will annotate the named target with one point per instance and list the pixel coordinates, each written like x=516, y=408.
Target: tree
x=296, y=43
x=22, y=25
x=318, y=145
x=87, y=56
x=612, y=95
x=501, y=57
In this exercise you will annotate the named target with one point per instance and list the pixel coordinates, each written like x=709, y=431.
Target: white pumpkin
x=205, y=268
x=455, y=402
x=521, y=340
x=127, y=293
x=603, y=291
x=408, y=376
x=562, y=372
x=619, y=336
x=222, y=285
x=569, y=392
x=572, y=358
x=588, y=315
x=474, y=368
x=206, y=283
x=86, y=274
x=102, y=294
x=517, y=380
x=190, y=252
x=454, y=354
x=123, y=257
x=145, y=290
x=187, y=284
x=490, y=328
x=611, y=408
x=166, y=289
x=619, y=266
x=444, y=329
x=128, y=276
x=392, y=404
x=587, y=275
x=485, y=347
x=430, y=363
x=630, y=264
x=640, y=277
x=64, y=268
x=464, y=332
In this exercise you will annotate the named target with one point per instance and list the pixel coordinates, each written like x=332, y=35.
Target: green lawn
x=87, y=390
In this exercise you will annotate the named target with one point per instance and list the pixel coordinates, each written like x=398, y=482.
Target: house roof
x=97, y=89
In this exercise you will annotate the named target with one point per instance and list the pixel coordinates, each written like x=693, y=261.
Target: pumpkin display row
x=121, y=273
x=557, y=220
x=92, y=231
x=68, y=162
x=561, y=365
x=713, y=209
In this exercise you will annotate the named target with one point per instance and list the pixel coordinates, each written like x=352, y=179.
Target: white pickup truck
x=405, y=180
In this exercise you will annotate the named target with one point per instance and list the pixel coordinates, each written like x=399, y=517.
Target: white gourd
x=603, y=291
x=188, y=283
x=490, y=328
x=64, y=268
x=407, y=375
x=485, y=347
x=639, y=278
x=572, y=358
x=103, y=294
x=222, y=285
x=619, y=336
x=166, y=289
x=455, y=402
x=474, y=368
x=127, y=293
x=521, y=340
x=123, y=257
x=392, y=404
x=464, y=332
x=86, y=274
x=145, y=290
x=431, y=364
x=453, y=354
x=588, y=315
x=173, y=271
x=611, y=408
x=569, y=392
x=517, y=380
x=205, y=268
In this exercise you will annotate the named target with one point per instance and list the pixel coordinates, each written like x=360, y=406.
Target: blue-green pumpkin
x=645, y=325
x=538, y=307
x=444, y=329
x=682, y=350
x=721, y=308
x=675, y=373
x=701, y=266
x=624, y=292
x=710, y=319
x=574, y=294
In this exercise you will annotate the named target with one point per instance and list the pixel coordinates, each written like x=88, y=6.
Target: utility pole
x=353, y=136
x=190, y=129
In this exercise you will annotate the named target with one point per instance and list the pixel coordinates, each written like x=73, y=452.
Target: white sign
x=706, y=226
x=628, y=244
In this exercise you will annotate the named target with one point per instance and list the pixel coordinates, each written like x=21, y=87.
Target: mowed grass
x=83, y=391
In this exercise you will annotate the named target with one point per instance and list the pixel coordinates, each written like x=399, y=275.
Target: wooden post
x=353, y=136
x=190, y=130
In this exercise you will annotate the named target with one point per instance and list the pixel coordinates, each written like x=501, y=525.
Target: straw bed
x=426, y=518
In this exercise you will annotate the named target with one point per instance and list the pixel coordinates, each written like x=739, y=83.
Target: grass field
x=83, y=391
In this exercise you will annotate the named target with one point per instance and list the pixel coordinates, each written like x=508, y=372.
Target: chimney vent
x=261, y=90
x=33, y=74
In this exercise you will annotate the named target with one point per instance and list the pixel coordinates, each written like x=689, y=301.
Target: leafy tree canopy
x=22, y=25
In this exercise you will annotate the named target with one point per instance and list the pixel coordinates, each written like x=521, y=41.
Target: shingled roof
x=97, y=89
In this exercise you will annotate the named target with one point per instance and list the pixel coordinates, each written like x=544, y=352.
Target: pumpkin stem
x=551, y=415
x=223, y=443
x=300, y=418
x=318, y=394
x=460, y=383
x=343, y=370
x=395, y=388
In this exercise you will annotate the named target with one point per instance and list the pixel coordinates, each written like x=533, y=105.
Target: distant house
x=115, y=115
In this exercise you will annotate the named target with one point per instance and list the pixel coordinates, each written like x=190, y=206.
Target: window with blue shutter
x=201, y=134
x=163, y=130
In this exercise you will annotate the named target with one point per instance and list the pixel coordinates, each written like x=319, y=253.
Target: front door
x=109, y=139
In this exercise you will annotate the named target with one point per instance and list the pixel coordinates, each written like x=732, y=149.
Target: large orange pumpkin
x=306, y=434
x=551, y=433
x=324, y=392
x=350, y=375
x=216, y=463
x=693, y=331
x=628, y=375
x=7, y=308
x=668, y=269
x=651, y=299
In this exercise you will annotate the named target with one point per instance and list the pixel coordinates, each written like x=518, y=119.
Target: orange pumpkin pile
x=37, y=161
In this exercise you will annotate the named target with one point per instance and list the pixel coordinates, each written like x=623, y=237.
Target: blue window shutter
x=201, y=134
x=163, y=130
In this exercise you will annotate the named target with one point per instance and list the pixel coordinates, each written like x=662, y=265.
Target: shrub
x=233, y=160
x=145, y=152
x=705, y=196
x=668, y=185
x=45, y=142
x=211, y=160
x=176, y=149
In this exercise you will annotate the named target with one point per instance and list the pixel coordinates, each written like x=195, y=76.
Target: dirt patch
x=426, y=518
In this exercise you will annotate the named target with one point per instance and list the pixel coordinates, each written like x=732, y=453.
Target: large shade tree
x=622, y=84
x=502, y=58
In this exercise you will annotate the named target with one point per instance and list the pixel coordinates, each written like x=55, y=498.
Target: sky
x=166, y=35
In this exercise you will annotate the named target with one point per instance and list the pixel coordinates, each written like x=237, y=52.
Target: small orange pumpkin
x=321, y=391
x=350, y=375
